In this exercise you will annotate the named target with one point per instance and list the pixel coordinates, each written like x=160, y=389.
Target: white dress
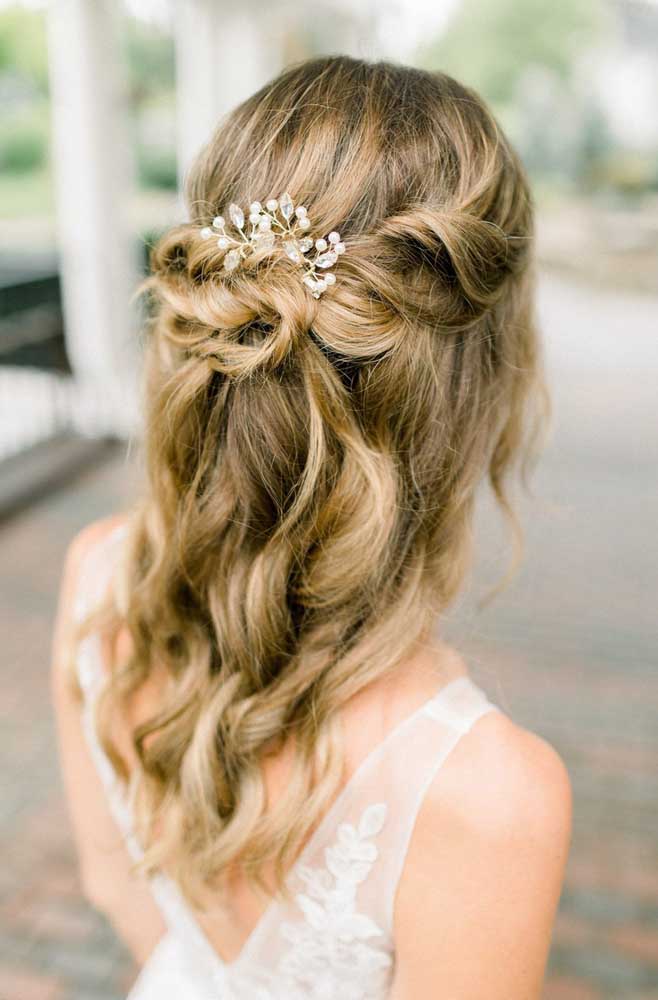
x=335, y=940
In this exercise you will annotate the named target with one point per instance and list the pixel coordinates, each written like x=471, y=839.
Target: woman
x=283, y=781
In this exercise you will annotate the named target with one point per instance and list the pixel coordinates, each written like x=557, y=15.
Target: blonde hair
x=312, y=464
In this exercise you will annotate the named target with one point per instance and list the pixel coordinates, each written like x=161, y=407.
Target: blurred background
x=104, y=104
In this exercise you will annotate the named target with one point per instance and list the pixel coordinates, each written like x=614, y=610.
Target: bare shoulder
x=504, y=791
x=82, y=544
x=88, y=538
x=502, y=777
x=492, y=838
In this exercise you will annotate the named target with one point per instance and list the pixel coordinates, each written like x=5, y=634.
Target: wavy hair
x=312, y=465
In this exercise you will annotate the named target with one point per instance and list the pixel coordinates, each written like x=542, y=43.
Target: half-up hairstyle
x=312, y=464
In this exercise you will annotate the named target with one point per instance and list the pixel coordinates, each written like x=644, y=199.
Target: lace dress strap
x=451, y=714
x=369, y=829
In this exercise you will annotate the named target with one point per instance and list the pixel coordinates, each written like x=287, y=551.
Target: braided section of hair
x=241, y=322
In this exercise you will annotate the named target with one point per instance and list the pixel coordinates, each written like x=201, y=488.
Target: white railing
x=36, y=405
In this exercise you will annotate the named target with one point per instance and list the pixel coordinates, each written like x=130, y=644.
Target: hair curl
x=313, y=464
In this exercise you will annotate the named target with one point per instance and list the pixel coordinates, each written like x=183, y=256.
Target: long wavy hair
x=312, y=465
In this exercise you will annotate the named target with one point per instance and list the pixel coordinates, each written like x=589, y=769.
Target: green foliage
x=23, y=49
x=151, y=78
x=490, y=43
x=22, y=147
x=26, y=194
x=624, y=173
x=157, y=168
x=24, y=138
x=150, y=58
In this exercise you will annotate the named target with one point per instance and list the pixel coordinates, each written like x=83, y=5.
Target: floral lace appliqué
x=331, y=954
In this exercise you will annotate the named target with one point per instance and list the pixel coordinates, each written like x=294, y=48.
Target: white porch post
x=224, y=52
x=93, y=178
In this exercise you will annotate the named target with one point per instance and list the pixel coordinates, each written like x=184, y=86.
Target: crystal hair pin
x=265, y=226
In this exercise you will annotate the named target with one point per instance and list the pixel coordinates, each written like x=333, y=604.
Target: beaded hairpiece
x=278, y=220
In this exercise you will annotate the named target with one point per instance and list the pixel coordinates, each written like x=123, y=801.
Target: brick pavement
x=53, y=946
x=569, y=650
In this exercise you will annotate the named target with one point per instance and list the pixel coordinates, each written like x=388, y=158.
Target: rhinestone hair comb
x=264, y=227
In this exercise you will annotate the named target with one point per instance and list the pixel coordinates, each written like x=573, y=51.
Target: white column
x=93, y=177
x=224, y=52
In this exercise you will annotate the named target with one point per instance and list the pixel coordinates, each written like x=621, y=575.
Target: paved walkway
x=569, y=650
x=52, y=945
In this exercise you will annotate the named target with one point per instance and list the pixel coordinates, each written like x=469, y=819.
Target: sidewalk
x=52, y=945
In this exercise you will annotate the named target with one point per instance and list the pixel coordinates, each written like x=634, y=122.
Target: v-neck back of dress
x=335, y=937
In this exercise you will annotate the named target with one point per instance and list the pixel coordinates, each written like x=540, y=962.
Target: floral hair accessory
x=264, y=227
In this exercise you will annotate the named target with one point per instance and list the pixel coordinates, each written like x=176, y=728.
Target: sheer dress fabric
x=336, y=937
